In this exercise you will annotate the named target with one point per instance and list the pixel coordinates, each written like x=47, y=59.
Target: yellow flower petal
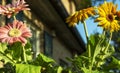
x=80, y=16
x=107, y=17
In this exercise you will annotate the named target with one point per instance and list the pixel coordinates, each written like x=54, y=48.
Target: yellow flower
x=72, y=20
x=107, y=17
x=80, y=16
x=118, y=15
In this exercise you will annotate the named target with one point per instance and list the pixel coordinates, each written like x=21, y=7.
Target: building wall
x=60, y=51
x=37, y=29
x=69, y=6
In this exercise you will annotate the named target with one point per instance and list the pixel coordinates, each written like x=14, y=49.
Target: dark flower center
x=110, y=17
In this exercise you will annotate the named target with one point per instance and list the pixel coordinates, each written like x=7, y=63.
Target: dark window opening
x=48, y=45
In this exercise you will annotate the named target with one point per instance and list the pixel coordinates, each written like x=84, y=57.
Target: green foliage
x=43, y=60
x=94, y=71
x=26, y=68
x=16, y=50
x=3, y=54
x=59, y=70
x=8, y=68
x=3, y=47
x=98, y=43
x=114, y=64
x=12, y=56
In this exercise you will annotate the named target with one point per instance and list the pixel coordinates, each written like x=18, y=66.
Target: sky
x=91, y=26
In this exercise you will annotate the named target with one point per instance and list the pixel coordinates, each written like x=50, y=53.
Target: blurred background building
x=51, y=34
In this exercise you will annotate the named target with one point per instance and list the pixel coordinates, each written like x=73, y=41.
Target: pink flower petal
x=18, y=25
x=13, y=8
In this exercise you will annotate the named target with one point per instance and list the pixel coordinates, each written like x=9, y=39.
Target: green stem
x=85, y=29
x=7, y=57
x=88, y=45
x=24, y=55
x=108, y=43
x=86, y=34
x=14, y=17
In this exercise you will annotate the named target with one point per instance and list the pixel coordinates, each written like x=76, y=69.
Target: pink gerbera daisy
x=19, y=5
x=14, y=32
x=13, y=8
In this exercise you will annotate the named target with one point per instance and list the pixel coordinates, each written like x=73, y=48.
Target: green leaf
x=88, y=71
x=3, y=47
x=28, y=45
x=26, y=68
x=43, y=60
x=16, y=49
x=95, y=42
x=67, y=70
x=92, y=40
x=59, y=70
x=3, y=55
x=114, y=64
x=80, y=61
x=46, y=59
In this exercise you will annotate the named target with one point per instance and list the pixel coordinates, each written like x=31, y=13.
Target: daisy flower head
x=6, y=10
x=80, y=15
x=107, y=17
x=13, y=8
x=19, y=5
x=15, y=32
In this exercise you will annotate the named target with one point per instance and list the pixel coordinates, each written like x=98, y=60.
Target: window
x=48, y=44
x=35, y=40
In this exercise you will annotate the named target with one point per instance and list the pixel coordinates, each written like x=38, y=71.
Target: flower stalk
x=24, y=55
x=14, y=17
x=86, y=34
x=88, y=45
x=108, y=43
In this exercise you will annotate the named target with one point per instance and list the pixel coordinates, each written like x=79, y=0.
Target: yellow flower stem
x=108, y=43
x=88, y=45
x=24, y=55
